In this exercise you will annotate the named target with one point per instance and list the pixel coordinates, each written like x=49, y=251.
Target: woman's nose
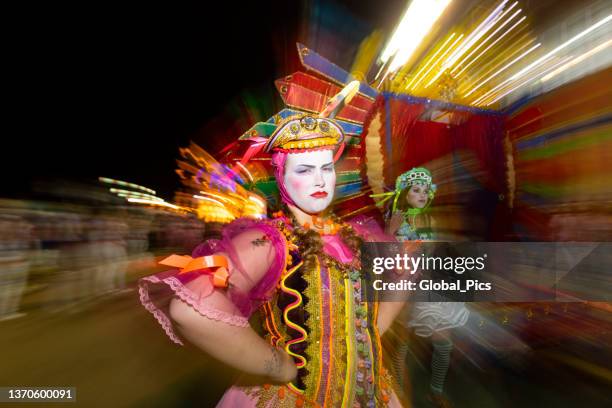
x=319, y=180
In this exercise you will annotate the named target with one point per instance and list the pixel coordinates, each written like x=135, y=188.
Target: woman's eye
x=303, y=171
x=328, y=169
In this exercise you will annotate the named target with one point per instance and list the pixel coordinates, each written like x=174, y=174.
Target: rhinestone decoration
x=324, y=126
x=295, y=128
x=308, y=122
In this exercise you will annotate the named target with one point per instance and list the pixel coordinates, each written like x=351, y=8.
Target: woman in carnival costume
x=408, y=221
x=301, y=271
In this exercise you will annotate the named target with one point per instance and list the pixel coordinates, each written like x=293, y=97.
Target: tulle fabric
x=194, y=288
x=430, y=317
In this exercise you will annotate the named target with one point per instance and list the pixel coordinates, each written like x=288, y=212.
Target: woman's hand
x=280, y=366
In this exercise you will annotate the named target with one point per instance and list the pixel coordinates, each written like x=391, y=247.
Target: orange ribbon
x=214, y=265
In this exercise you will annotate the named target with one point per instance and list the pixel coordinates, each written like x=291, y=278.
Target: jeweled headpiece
x=416, y=175
x=305, y=132
x=311, y=132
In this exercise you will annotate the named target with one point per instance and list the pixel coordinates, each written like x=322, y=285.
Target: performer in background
x=301, y=271
x=408, y=220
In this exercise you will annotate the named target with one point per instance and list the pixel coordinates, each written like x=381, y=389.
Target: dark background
x=114, y=90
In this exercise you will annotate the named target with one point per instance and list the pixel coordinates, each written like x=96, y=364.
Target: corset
x=321, y=318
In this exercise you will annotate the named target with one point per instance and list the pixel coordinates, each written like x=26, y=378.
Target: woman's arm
x=238, y=347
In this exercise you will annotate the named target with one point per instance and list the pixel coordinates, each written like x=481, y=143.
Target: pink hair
x=278, y=164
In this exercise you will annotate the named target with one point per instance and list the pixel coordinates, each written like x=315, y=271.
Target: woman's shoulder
x=253, y=252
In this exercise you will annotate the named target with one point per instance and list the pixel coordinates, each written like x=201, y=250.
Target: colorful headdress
x=415, y=176
x=304, y=132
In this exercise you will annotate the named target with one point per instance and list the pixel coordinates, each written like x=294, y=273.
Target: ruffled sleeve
x=257, y=254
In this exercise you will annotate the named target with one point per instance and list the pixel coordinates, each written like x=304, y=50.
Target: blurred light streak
x=431, y=60
x=474, y=36
x=527, y=80
x=136, y=195
x=490, y=35
x=125, y=184
x=496, y=88
x=258, y=201
x=216, y=196
x=452, y=46
x=503, y=69
x=145, y=201
x=485, y=41
x=560, y=47
x=208, y=199
x=491, y=45
x=497, y=61
x=577, y=60
x=248, y=173
x=412, y=29
x=128, y=193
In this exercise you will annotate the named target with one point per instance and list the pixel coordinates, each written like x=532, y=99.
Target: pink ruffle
x=171, y=284
x=188, y=297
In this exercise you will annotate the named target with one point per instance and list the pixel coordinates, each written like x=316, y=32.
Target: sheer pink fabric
x=369, y=230
x=246, y=292
x=334, y=247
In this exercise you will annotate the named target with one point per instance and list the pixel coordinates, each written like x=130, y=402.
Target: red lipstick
x=319, y=194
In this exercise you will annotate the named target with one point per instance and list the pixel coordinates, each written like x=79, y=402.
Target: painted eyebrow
x=312, y=167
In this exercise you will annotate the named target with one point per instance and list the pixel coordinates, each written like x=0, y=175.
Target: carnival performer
x=301, y=271
x=408, y=220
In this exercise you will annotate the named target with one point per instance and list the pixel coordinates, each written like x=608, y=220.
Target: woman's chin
x=316, y=208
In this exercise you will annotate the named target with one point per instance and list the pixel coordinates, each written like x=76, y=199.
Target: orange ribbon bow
x=215, y=265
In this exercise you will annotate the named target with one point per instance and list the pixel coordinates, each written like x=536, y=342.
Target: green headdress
x=416, y=175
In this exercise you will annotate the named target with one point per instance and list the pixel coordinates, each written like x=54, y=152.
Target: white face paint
x=310, y=179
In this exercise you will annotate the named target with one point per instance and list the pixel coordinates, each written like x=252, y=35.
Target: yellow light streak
x=217, y=196
x=430, y=60
x=504, y=68
x=208, y=199
x=416, y=22
x=491, y=45
x=489, y=37
x=257, y=201
x=452, y=46
x=474, y=36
